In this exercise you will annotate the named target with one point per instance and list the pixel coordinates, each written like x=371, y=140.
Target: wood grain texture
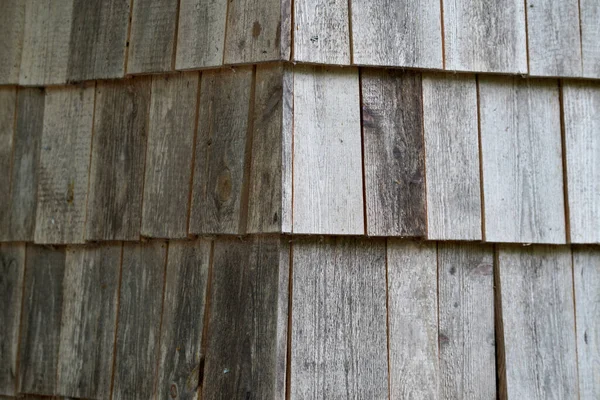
x=581, y=113
x=401, y=33
x=338, y=339
x=586, y=273
x=12, y=269
x=452, y=157
x=413, y=320
x=12, y=26
x=321, y=32
x=247, y=327
x=201, y=33
x=114, y=208
x=138, y=329
x=222, y=151
x=536, y=289
x=182, y=322
x=89, y=321
x=554, y=38
x=152, y=37
x=257, y=31
x=328, y=196
x=589, y=12
x=8, y=106
x=485, y=36
x=170, y=151
x=64, y=165
x=394, y=158
x=521, y=156
x=466, y=321
x=270, y=193
x=99, y=31
x=40, y=324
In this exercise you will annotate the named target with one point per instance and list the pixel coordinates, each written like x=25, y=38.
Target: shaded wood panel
x=8, y=105
x=12, y=26
x=589, y=12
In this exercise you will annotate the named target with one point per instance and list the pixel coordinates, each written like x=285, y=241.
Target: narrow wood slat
x=338, y=338
x=537, y=318
x=114, y=208
x=521, y=160
x=589, y=12
x=89, y=321
x=183, y=320
x=413, y=320
x=452, y=157
x=12, y=26
x=221, y=152
x=466, y=321
x=247, y=326
x=394, y=159
x=138, y=330
x=170, y=151
x=8, y=105
x=328, y=196
x=64, y=164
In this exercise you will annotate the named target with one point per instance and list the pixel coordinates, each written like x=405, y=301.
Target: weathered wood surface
x=401, y=33
x=521, y=156
x=170, y=151
x=201, y=33
x=321, y=31
x=394, y=159
x=537, y=317
x=248, y=318
x=40, y=324
x=452, y=157
x=114, y=207
x=183, y=319
x=12, y=25
x=270, y=192
x=485, y=36
x=581, y=111
x=328, y=196
x=554, y=39
x=586, y=273
x=64, y=164
x=466, y=321
x=138, y=327
x=152, y=37
x=413, y=320
x=12, y=269
x=589, y=12
x=89, y=321
x=222, y=152
x=338, y=338
x=8, y=106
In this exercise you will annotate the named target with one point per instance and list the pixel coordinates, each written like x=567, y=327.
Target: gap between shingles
x=23, y=289
x=422, y=77
x=527, y=36
x=127, y=45
x=114, y=354
x=481, y=187
x=443, y=34
x=362, y=150
x=350, y=38
x=194, y=147
x=143, y=179
x=292, y=29
x=499, y=330
x=206, y=318
x=288, y=377
x=175, y=37
x=563, y=135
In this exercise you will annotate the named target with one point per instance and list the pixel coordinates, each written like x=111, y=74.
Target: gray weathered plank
x=12, y=269
x=89, y=321
x=554, y=39
x=98, y=43
x=590, y=32
x=521, y=155
x=64, y=164
x=485, y=36
x=183, y=319
x=8, y=106
x=452, y=157
x=222, y=147
x=402, y=33
x=394, y=159
x=201, y=33
x=121, y=118
x=537, y=318
x=270, y=196
x=138, y=328
x=321, y=32
x=40, y=324
x=338, y=338
x=413, y=320
x=466, y=321
x=586, y=273
x=328, y=196
x=581, y=110
x=170, y=151
x=12, y=25
x=247, y=326
x=152, y=37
